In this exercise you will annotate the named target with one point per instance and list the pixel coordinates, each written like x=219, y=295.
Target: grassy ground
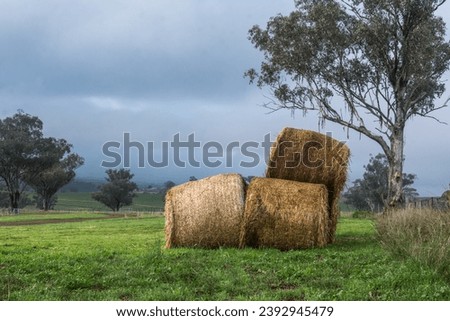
x=123, y=259
x=39, y=216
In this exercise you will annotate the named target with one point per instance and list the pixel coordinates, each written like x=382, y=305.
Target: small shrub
x=362, y=214
x=421, y=234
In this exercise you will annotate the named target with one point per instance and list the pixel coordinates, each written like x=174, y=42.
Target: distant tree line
x=370, y=193
x=31, y=161
x=28, y=159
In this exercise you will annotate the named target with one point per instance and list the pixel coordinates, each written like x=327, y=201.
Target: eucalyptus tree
x=25, y=153
x=368, y=65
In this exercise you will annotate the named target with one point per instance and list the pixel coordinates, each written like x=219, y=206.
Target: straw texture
x=206, y=213
x=311, y=157
x=285, y=215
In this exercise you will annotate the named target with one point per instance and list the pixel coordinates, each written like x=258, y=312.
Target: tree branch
x=439, y=5
x=360, y=129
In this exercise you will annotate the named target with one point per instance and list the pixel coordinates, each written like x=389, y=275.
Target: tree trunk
x=46, y=204
x=395, y=179
x=14, y=201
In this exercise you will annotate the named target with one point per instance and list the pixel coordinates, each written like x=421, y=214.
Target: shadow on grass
x=354, y=243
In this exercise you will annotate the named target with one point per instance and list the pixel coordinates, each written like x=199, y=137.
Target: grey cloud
x=127, y=48
x=92, y=70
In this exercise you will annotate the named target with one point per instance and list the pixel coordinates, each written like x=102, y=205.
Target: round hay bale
x=285, y=215
x=311, y=157
x=205, y=213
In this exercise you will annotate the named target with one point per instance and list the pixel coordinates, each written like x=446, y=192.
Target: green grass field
x=40, y=216
x=124, y=259
x=82, y=201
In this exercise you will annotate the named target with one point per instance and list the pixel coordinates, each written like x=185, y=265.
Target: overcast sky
x=94, y=70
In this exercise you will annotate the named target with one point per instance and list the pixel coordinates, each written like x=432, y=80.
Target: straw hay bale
x=311, y=157
x=285, y=214
x=205, y=213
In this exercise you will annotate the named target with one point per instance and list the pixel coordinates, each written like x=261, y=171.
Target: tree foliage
x=4, y=198
x=118, y=191
x=167, y=185
x=48, y=182
x=370, y=191
x=5, y=201
x=383, y=59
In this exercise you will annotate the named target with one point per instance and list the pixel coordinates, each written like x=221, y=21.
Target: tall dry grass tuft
x=422, y=234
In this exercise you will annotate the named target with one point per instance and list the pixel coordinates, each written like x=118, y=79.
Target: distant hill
x=82, y=201
x=82, y=185
x=92, y=184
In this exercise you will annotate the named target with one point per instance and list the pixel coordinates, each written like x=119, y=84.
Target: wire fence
x=435, y=203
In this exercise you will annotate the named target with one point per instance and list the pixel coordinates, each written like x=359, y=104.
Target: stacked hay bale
x=205, y=213
x=285, y=215
x=311, y=157
x=295, y=206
